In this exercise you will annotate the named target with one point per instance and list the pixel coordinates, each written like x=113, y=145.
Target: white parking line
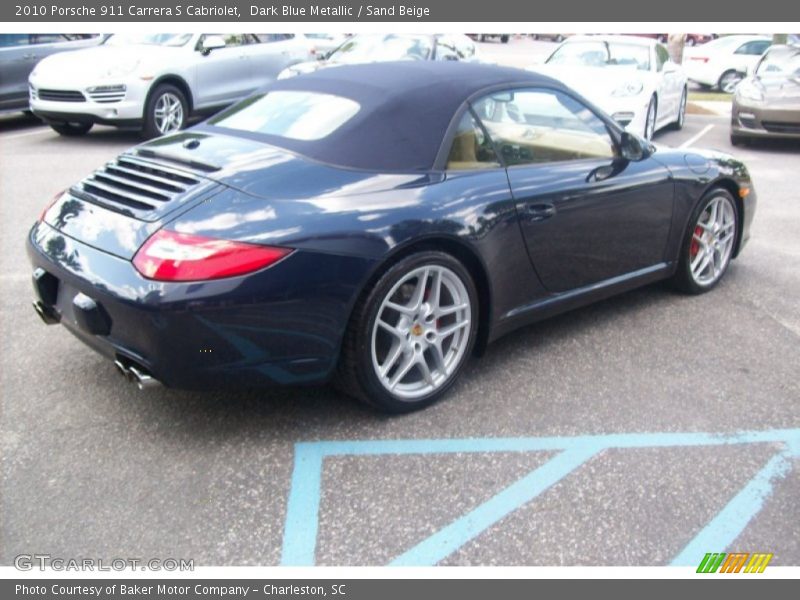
x=14, y=136
x=693, y=139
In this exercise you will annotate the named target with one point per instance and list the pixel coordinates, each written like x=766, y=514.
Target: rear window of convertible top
x=296, y=115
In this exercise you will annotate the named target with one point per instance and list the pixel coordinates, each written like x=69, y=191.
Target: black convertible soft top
x=406, y=108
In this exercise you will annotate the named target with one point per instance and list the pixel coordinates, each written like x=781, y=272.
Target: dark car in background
x=375, y=225
x=19, y=54
x=767, y=103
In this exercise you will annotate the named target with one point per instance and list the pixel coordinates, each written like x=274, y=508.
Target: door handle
x=540, y=212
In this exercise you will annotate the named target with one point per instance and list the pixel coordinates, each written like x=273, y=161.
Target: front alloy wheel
x=709, y=247
x=166, y=112
x=681, y=118
x=650, y=120
x=411, y=335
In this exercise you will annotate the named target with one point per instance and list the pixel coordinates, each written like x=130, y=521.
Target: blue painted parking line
x=302, y=512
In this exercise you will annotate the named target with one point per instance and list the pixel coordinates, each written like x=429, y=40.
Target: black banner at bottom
x=382, y=589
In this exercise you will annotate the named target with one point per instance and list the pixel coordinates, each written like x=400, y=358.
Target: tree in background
x=780, y=38
x=675, y=45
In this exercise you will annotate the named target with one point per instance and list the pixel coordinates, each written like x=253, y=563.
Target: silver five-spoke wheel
x=421, y=332
x=168, y=113
x=712, y=241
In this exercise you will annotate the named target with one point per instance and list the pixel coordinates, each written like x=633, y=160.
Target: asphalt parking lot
x=615, y=434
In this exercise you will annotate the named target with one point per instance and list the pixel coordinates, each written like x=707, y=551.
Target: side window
x=48, y=38
x=231, y=39
x=471, y=148
x=465, y=47
x=8, y=40
x=266, y=38
x=756, y=48
x=446, y=49
x=539, y=126
x=662, y=57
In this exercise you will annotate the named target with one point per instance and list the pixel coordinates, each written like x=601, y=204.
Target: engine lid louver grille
x=136, y=186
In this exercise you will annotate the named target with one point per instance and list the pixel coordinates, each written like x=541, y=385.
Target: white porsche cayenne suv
x=156, y=82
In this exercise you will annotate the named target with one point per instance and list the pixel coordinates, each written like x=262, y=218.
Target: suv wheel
x=166, y=112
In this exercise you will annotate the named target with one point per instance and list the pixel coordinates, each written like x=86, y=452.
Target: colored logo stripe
x=758, y=563
x=733, y=563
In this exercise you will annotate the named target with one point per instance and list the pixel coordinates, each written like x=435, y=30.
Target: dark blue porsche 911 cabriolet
x=374, y=225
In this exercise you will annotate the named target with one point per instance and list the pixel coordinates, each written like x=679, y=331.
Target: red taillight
x=171, y=256
x=53, y=200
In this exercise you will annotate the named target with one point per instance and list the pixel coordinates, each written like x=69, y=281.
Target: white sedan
x=724, y=62
x=157, y=81
x=631, y=78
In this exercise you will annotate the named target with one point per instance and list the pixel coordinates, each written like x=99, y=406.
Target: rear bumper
x=282, y=325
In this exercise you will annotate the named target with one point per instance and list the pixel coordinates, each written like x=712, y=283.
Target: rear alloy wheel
x=71, y=129
x=708, y=245
x=729, y=80
x=166, y=111
x=650, y=119
x=412, y=334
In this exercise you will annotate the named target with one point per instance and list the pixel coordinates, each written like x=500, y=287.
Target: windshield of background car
x=780, y=65
x=602, y=54
x=149, y=39
x=296, y=115
x=380, y=48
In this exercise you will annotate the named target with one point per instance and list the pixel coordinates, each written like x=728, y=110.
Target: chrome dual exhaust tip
x=136, y=375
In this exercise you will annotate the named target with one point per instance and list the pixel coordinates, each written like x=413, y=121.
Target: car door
x=222, y=75
x=15, y=66
x=587, y=215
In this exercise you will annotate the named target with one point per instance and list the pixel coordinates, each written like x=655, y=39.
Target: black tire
x=653, y=106
x=71, y=129
x=739, y=140
x=150, y=128
x=723, y=79
x=677, y=125
x=504, y=39
x=683, y=279
x=356, y=375
x=559, y=38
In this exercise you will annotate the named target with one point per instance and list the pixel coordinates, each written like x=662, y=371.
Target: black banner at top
x=433, y=11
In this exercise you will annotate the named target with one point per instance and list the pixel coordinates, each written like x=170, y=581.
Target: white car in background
x=631, y=78
x=156, y=82
x=373, y=47
x=724, y=62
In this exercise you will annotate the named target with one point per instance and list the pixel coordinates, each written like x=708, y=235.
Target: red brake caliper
x=695, y=247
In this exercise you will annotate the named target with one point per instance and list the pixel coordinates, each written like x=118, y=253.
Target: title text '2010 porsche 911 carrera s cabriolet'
x=374, y=225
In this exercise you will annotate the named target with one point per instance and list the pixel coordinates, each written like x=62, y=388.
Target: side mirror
x=670, y=67
x=212, y=42
x=634, y=148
